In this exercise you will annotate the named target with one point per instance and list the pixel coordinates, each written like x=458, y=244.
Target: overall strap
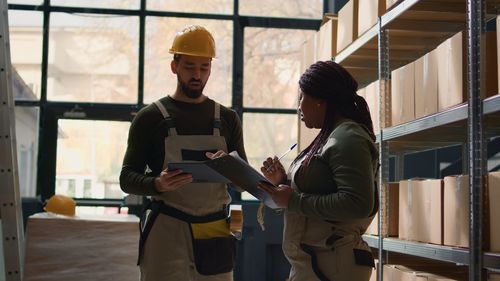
x=217, y=122
x=168, y=120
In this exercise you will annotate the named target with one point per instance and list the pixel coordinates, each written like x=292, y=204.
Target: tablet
x=200, y=171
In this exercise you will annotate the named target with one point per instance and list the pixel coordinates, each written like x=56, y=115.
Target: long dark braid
x=329, y=81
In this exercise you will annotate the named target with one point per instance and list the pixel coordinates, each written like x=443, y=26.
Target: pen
x=284, y=154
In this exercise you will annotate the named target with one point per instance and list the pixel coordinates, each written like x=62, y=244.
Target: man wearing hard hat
x=185, y=232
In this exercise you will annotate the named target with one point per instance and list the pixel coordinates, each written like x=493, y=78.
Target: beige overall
x=324, y=250
x=168, y=250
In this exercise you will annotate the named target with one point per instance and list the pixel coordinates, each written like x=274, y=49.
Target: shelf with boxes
x=415, y=27
x=429, y=218
x=448, y=127
x=412, y=68
x=436, y=252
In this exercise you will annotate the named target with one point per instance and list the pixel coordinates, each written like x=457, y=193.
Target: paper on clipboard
x=240, y=173
x=230, y=168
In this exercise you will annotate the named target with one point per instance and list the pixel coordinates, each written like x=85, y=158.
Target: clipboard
x=240, y=173
x=200, y=171
x=230, y=168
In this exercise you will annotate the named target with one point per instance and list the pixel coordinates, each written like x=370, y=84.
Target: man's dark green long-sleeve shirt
x=146, y=140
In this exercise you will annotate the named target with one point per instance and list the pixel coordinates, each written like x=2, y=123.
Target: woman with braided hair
x=329, y=194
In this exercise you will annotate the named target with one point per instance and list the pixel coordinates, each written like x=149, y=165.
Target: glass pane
x=282, y=8
x=114, y=4
x=89, y=158
x=267, y=135
x=93, y=59
x=25, y=30
x=159, y=80
x=27, y=148
x=272, y=67
x=206, y=6
x=29, y=2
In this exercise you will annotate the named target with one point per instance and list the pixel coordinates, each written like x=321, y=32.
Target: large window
x=27, y=120
x=272, y=65
x=93, y=59
x=102, y=61
x=25, y=28
x=159, y=80
x=89, y=158
x=205, y=6
x=269, y=135
x=115, y=4
x=282, y=8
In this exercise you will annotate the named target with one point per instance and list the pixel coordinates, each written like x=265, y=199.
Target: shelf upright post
x=476, y=28
x=400, y=164
x=10, y=206
x=384, y=107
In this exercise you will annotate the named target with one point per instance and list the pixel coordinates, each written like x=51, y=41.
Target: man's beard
x=193, y=94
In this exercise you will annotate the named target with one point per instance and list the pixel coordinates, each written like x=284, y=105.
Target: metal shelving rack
x=403, y=34
x=10, y=204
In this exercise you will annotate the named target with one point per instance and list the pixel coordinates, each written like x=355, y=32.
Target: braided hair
x=331, y=82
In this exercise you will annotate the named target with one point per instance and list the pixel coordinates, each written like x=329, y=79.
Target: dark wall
x=259, y=255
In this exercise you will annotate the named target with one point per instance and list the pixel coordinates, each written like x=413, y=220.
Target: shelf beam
x=431, y=251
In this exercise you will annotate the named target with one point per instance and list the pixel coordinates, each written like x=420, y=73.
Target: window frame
x=51, y=111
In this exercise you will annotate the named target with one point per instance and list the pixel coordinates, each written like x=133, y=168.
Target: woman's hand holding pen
x=273, y=170
x=217, y=154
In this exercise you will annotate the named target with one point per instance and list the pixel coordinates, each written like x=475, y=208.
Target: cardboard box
x=491, y=64
x=403, y=273
x=494, y=194
x=326, y=39
x=403, y=94
x=308, y=53
x=426, y=85
x=494, y=277
x=372, y=97
x=347, y=24
x=451, y=74
x=390, y=3
x=75, y=248
x=456, y=211
x=390, y=226
x=420, y=210
x=498, y=52
x=369, y=13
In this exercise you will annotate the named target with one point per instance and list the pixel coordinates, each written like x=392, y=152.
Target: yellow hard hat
x=61, y=204
x=194, y=40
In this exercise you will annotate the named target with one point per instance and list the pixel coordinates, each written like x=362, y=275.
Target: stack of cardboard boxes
x=437, y=211
x=436, y=81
